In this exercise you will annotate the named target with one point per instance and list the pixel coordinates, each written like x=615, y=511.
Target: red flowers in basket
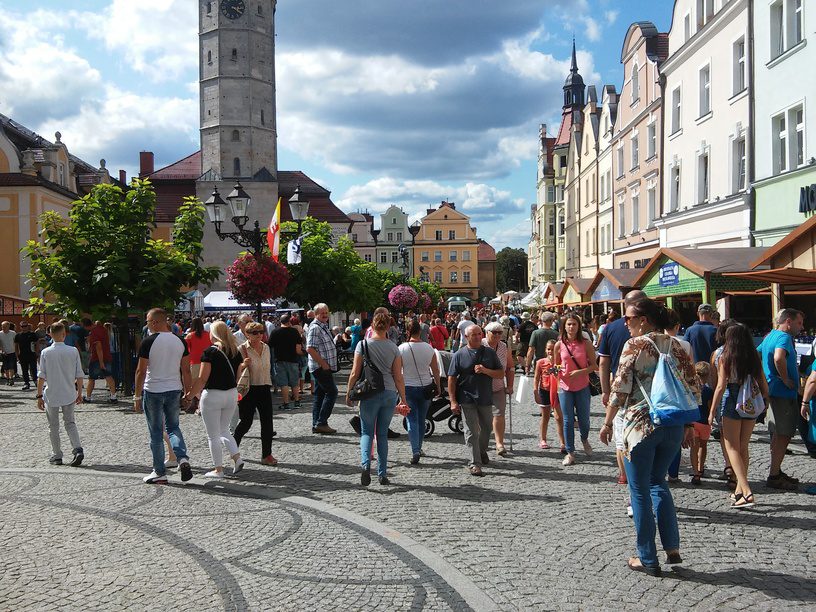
x=252, y=279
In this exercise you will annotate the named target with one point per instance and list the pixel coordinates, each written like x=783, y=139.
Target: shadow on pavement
x=773, y=584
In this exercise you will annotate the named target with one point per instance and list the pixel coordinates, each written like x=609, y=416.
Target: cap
x=525, y=315
x=705, y=309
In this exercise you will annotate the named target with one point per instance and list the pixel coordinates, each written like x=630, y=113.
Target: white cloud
x=593, y=28
x=611, y=16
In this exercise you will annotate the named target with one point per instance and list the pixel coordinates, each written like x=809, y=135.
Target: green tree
x=511, y=270
x=102, y=260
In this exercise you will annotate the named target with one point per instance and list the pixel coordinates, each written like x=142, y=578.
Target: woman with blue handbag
x=649, y=447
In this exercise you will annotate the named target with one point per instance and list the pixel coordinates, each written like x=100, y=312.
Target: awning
x=222, y=300
x=782, y=276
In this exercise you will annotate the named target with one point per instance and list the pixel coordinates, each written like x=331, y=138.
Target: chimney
x=145, y=163
x=123, y=177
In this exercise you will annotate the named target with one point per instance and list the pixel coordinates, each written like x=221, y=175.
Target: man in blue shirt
x=778, y=355
x=701, y=335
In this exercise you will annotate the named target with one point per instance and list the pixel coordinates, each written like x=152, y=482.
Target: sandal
x=475, y=470
x=743, y=501
x=501, y=451
x=696, y=478
x=636, y=565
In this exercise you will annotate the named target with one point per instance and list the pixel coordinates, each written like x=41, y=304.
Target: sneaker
x=26, y=387
x=214, y=474
x=154, y=478
x=415, y=459
x=113, y=399
x=170, y=463
x=384, y=480
x=587, y=448
x=780, y=482
x=569, y=459
x=186, y=470
x=365, y=476
x=297, y=404
x=239, y=465
x=78, y=457
x=269, y=460
x=54, y=460
x=87, y=400
x=563, y=450
x=629, y=512
x=789, y=478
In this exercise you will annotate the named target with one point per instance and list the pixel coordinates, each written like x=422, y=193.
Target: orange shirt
x=196, y=346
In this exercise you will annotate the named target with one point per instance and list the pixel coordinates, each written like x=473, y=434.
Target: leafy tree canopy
x=511, y=269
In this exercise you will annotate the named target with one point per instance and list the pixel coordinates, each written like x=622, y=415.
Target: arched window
x=236, y=136
x=236, y=167
x=635, y=83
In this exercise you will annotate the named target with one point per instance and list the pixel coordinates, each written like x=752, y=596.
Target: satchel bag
x=371, y=380
x=429, y=390
x=594, y=379
x=671, y=401
x=243, y=381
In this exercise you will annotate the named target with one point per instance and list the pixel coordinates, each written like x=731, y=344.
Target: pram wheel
x=455, y=424
x=430, y=426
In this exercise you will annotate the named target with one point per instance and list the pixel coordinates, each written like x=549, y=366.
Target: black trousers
x=29, y=366
x=258, y=397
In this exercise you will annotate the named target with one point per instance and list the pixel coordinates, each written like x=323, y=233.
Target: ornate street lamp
x=299, y=207
x=239, y=201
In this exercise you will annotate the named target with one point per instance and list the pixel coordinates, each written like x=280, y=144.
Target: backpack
x=750, y=403
x=671, y=401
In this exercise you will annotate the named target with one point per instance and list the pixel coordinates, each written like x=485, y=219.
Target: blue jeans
x=573, y=402
x=649, y=492
x=375, y=416
x=325, y=394
x=416, y=418
x=162, y=412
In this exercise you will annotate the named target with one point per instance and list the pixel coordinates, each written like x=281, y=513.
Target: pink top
x=568, y=364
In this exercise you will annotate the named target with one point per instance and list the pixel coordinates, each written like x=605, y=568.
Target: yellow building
x=446, y=251
x=35, y=176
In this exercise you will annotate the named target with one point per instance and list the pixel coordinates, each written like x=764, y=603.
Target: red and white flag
x=273, y=235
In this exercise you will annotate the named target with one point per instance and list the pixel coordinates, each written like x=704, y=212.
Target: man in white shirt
x=61, y=376
x=8, y=353
x=162, y=377
x=240, y=337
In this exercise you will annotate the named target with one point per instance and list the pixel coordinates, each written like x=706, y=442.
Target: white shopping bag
x=524, y=390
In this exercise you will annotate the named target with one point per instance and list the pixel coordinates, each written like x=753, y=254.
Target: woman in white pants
x=221, y=365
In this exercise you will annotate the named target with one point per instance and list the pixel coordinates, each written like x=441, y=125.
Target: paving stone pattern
x=530, y=535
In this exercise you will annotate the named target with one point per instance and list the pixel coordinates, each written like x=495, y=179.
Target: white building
x=706, y=132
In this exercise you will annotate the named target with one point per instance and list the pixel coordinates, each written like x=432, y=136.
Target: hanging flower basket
x=253, y=279
x=403, y=297
x=425, y=302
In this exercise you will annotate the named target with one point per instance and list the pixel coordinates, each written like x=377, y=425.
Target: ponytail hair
x=655, y=313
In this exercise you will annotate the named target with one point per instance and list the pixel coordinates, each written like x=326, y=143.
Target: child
x=702, y=430
x=545, y=391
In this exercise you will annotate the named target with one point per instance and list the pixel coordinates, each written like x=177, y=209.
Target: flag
x=273, y=235
x=293, y=251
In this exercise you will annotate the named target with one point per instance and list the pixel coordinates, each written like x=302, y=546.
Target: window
x=451, y=234
x=425, y=256
x=437, y=255
x=399, y=236
x=620, y=161
x=260, y=9
x=705, y=90
x=236, y=167
x=465, y=255
x=262, y=118
x=550, y=225
x=703, y=178
x=786, y=26
x=674, y=187
x=452, y=256
x=236, y=136
x=465, y=276
x=739, y=83
x=550, y=193
x=209, y=57
x=739, y=165
x=799, y=143
x=393, y=220
x=651, y=202
x=780, y=144
x=394, y=257
x=635, y=212
x=586, y=244
x=797, y=22
x=675, y=111
x=621, y=217
x=454, y=275
x=635, y=151
x=705, y=11
x=235, y=55
x=551, y=261
x=383, y=257
x=425, y=277
x=61, y=172
x=594, y=241
x=651, y=140
x=437, y=277
x=603, y=187
x=354, y=237
x=209, y=8
x=562, y=225
x=439, y=234
x=603, y=240
x=635, y=83
x=368, y=257
x=390, y=236
x=687, y=27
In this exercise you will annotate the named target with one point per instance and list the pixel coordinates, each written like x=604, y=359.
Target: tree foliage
x=102, y=260
x=511, y=269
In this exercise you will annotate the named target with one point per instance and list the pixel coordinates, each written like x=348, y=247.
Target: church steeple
x=574, y=85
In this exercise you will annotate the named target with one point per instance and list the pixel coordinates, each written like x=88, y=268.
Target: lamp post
x=299, y=207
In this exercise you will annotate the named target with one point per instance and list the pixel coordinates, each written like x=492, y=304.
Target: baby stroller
x=440, y=409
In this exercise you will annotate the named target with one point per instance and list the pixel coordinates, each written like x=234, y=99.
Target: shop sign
x=669, y=274
x=807, y=199
x=606, y=291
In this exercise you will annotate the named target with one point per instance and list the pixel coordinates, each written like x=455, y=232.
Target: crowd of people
x=227, y=369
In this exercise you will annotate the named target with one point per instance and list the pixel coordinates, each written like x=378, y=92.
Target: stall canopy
x=193, y=301
x=535, y=297
x=575, y=290
x=222, y=300
x=552, y=293
x=611, y=284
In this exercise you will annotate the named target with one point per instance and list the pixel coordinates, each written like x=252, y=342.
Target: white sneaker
x=587, y=448
x=629, y=512
x=214, y=474
x=568, y=460
x=239, y=465
x=154, y=478
x=168, y=463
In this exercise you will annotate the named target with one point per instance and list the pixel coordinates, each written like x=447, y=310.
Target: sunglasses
x=255, y=333
x=496, y=333
x=628, y=318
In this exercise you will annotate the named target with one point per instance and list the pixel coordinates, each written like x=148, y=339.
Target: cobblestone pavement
x=304, y=535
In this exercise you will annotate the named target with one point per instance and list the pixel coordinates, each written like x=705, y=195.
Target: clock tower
x=238, y=112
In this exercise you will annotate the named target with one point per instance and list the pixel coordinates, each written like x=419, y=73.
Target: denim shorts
x=287, y=373
x=95, y=372
x=729, y=403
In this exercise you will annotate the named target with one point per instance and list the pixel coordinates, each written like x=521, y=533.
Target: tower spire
x=574, y=67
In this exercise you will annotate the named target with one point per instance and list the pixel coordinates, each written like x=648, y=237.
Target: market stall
x=609, y=286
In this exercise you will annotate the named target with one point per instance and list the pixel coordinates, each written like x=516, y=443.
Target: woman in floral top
x=648, y=449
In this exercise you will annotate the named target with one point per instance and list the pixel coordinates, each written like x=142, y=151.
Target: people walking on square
x=25, y=343
x=470, y=389
x=649, y=449
x=539, y=340
x=808, y=412
x=256, y=356
x=59, y=389
x=287, y=344
x=100, y=361
x=376, y=411
x=575, y=357
x=503, y=386
x=702, y=427
x=8, y=352
x=220, y=366
x=438, y=335
x=716, y=423
x=738, y=365
x=529, y=324
x=322, y=365
x=162, y=375
x=420, y=369
x=779, y=362
x=673, y=329
x=545, y=391
x=701, y=335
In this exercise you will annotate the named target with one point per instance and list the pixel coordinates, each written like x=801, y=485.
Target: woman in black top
x=221, y=365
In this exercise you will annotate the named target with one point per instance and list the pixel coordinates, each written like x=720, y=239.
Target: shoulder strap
x=229, y=363
x=368, y=359
x=566, y=346
x=411, y=349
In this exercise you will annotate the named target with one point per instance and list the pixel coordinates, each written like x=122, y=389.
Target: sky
x=380, y=101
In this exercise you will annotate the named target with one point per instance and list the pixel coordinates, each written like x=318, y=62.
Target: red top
x=437, y=335
x=196, y=346
x=548, y=383
x=99, y=335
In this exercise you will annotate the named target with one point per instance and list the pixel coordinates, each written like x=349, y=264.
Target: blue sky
x=381, y=101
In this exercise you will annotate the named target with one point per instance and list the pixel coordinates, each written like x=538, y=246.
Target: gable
x=9, y=159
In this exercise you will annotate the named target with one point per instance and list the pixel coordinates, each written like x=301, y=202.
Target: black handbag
x=594, y=379
x=429, y=390
x=371, y=381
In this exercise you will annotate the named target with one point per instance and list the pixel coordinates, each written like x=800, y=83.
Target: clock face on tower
x=232, y=9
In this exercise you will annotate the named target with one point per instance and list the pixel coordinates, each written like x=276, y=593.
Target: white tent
x=222, y=300
x=536, y=296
